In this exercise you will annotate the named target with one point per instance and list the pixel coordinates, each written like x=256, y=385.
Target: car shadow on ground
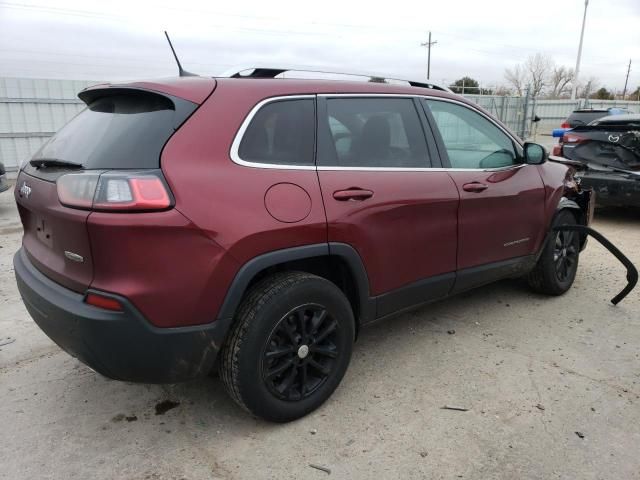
x=204, y=405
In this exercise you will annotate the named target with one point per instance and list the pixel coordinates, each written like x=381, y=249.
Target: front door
x=501, y=213
x=382, y=199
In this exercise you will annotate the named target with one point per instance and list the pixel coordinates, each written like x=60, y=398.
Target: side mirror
x=534, y=153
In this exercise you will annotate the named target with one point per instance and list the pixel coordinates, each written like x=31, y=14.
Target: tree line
x=545, y=79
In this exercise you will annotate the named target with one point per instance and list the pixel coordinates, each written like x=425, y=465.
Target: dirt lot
x=532, y=370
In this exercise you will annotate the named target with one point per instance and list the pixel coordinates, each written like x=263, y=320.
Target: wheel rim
x=301, y=352
x=565, y=254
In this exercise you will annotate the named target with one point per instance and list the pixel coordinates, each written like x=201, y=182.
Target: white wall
x=31, y=110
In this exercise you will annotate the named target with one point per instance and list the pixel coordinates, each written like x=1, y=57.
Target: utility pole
x=577, y=70
x=626, y=80
x=428, y=45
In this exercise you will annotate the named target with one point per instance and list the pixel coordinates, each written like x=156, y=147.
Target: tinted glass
x=374, y=132
x=584, y=118
x=471, y=140
x=126, y=130
x=282, y=132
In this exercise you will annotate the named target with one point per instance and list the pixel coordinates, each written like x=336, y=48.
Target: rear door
x=501, y=212
x=382, y=198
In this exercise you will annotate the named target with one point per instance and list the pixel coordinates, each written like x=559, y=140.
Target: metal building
x=31, y=110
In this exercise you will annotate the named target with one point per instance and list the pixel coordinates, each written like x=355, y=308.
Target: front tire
x=557, y=266
x=289, y=347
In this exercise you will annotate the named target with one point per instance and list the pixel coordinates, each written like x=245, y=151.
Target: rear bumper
x=120, y=345
x=612, y=189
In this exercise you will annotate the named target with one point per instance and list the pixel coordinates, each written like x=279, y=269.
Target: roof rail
x=272, y=72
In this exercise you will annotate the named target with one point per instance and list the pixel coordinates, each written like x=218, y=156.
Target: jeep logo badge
x=25, y=190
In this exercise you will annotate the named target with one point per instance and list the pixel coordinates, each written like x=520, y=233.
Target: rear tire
x=557, y=266
x=289, y=347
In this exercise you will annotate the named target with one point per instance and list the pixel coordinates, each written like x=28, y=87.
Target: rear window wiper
x=53, y=162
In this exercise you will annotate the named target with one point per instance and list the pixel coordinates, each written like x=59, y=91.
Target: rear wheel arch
x=336, y=262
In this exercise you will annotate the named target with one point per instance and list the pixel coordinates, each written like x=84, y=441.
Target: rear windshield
x=122, y=130
x=583, y=118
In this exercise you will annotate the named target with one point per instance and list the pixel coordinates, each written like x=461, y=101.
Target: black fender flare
x=567, y=203
x=257, y=264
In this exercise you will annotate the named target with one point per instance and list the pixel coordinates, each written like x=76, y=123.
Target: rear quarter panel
x=226, y=200
x=162, y=263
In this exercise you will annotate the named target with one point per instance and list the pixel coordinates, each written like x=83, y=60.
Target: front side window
x=374, y=132
x=282, y=132
x=471, y=140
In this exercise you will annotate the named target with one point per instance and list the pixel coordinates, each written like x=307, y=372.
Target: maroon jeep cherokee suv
x=254, y=225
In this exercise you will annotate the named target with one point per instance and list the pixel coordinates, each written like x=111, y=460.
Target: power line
x=110, y=16
x=118, y=60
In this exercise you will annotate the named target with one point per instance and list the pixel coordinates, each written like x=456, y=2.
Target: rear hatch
x=119, y=135
x=612, y=142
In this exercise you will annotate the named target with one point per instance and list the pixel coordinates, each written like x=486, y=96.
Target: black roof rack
x=272, y=72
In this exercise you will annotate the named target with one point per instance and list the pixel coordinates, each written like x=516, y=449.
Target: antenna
x=182, y=72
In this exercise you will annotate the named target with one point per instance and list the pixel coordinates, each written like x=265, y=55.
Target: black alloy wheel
x=300, y=353
x=289, y=347
x=557, y=265
x=565, y=254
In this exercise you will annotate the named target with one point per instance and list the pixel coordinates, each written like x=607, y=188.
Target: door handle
x=474, y=187
x=352, y=194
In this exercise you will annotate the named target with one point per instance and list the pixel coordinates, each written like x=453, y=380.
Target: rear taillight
x=573, y=138
x=557, y=150
x=102, y=301
x=115, y=191
x=565, y=124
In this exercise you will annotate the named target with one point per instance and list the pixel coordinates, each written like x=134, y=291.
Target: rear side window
x=282, y=132
x=122, y=130
x=374, y=132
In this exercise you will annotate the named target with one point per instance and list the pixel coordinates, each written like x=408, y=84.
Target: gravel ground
x=533, y=371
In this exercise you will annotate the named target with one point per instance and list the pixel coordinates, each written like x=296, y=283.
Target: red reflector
x=565, y=124
x=101, y=301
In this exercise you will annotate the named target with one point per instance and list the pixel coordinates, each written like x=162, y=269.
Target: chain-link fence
x=32, y=110
x=518, y=113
